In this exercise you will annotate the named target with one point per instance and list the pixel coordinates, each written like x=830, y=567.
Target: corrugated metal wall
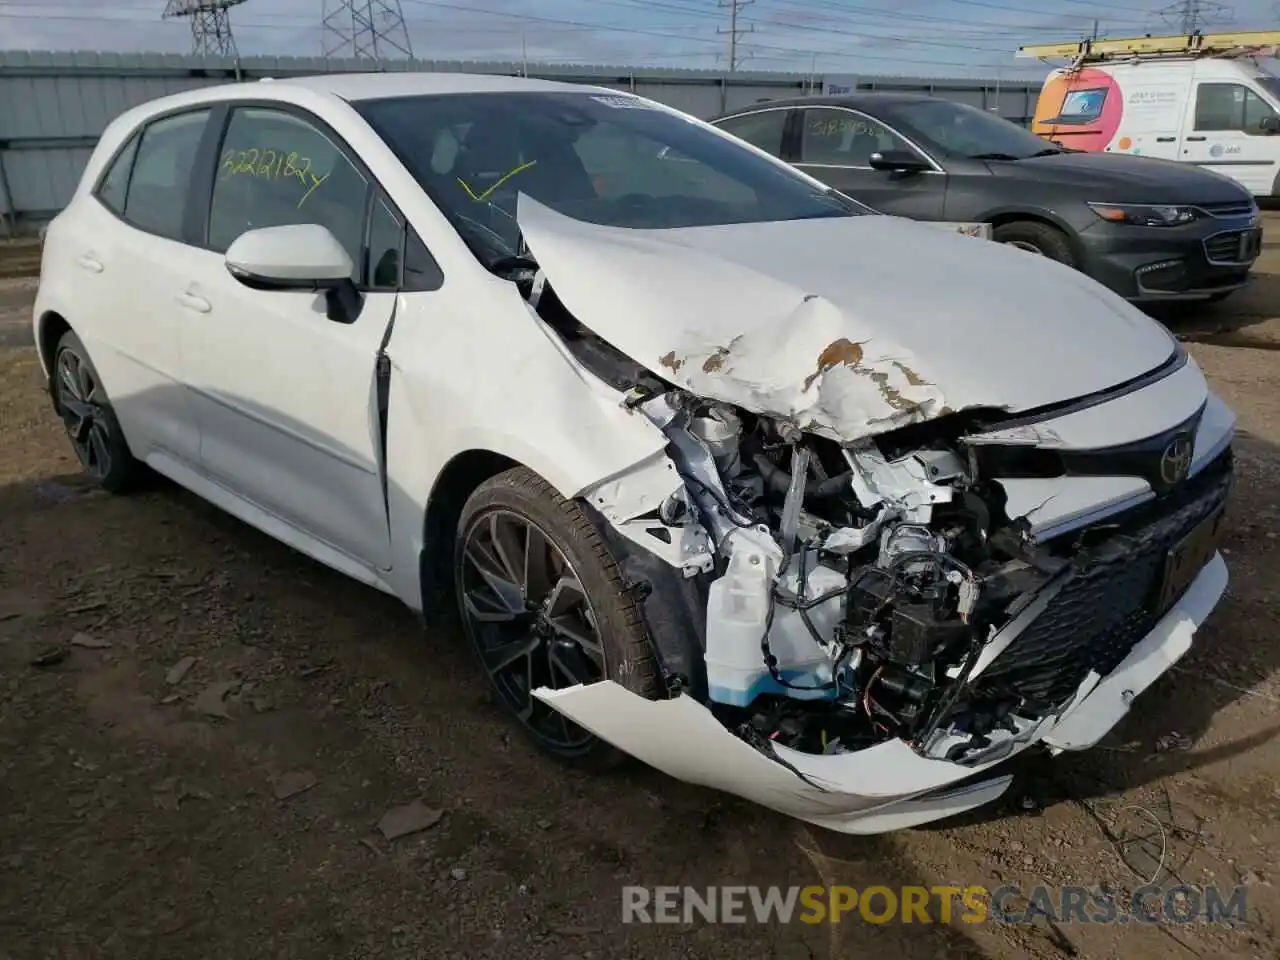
x=53, y=106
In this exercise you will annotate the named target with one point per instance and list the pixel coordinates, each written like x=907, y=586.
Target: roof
x=867, y=101
x=371, y=86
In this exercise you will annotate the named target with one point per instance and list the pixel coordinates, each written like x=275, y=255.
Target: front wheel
x=544, y=605
x=1038, y=238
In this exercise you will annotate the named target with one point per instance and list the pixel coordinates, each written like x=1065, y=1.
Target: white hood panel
x=848, y=327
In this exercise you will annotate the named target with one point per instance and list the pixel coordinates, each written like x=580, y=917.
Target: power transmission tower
x=210, y=24
x=1188, y=16
x=365, y=29
x=734, y=32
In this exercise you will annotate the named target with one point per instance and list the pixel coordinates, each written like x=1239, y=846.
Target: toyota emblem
x=1176, y=460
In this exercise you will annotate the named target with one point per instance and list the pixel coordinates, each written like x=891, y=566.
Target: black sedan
x=1149, y=229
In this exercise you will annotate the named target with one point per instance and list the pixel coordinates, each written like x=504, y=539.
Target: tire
x=518, y=508
x=82, y=403
x=1036, y=238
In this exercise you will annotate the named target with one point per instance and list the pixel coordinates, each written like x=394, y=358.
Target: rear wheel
x=544, y=605
x=1039, y=238
x=82, y=403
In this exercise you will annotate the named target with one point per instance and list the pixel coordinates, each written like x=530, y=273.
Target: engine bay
x=856, y=592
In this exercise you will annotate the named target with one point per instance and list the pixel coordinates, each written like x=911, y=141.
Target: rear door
x=1223, y=132
x=1154, y=105
x=835, y=145
x=127, y=239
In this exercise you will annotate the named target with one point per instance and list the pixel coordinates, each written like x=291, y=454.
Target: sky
x=939, y=38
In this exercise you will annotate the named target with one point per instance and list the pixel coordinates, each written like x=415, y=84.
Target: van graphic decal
x=1081, y=109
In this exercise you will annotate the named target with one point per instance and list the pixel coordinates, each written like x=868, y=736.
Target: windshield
x=1270, y=86
x=607, y=159
x=960, y=130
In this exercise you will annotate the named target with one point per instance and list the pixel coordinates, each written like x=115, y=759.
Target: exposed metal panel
x=43, y=180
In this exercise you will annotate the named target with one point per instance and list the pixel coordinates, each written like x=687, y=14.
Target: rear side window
x=277, y=169
x=763, y=130
x=158, y=186
x=114, y=186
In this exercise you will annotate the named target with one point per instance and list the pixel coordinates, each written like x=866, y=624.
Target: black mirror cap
x=1269, y=124
x=897, y=160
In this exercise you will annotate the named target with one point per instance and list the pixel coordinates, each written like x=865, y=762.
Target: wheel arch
x=1006, y=216
x=49, y=330
x=453, y=485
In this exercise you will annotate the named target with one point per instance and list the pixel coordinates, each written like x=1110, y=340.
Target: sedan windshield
x=613, y=160
x=960, y=130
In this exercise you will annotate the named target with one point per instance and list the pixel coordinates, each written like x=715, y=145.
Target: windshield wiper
x=1048, y=152
x=993, y=156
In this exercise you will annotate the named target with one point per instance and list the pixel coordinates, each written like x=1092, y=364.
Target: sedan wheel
x=531, y=616
x=544, y=606
x=1025, y=245
x=86, y=413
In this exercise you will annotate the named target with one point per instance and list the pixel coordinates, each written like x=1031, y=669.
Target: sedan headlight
x=1145, y=214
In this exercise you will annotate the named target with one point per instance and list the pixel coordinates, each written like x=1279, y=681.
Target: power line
x=536, y=22
x=210, y=24
x=734, y=32
x=364, y=29
x=1188, y=16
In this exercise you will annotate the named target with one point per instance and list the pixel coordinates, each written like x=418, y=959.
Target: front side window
x=1230, y=106
x=764, y=129
x=844, y=138
x=276, y=169
x=959, y=130
x=613, y=160
x=156, y=195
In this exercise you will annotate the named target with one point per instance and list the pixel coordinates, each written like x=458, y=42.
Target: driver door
x=1224, y=134
x=836, y=144
x=285, y=396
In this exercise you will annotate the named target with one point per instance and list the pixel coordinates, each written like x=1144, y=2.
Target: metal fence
x=54, y=106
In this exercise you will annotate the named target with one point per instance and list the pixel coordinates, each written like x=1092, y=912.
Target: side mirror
x=899, y=161
x=1269, y=124
x=302, y=256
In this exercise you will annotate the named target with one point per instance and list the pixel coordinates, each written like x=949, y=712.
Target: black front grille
x=1241, y=208
x=1108, y=601
x=1225, y=247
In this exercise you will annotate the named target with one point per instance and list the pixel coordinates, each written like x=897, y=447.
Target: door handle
x=1167, y=139
x=192, y=302
x=1196, y=139
x=89, y=263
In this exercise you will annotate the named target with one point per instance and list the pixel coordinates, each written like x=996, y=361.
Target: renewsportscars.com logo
x=935, y=904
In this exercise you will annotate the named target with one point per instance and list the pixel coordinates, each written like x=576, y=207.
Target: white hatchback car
x=827, y=509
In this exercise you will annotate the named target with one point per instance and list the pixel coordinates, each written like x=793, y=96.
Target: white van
x=1200, y=99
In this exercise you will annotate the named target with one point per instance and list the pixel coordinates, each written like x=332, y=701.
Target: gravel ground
x=201, y=731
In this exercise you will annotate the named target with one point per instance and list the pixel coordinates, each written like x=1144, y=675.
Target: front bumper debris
x=887, y=786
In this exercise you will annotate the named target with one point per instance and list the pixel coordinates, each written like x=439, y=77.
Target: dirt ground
x=232, y=810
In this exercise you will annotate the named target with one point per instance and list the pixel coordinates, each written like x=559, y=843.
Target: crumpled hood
x=847, y=326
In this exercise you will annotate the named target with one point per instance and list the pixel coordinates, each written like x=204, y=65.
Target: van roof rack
x=1249, y=43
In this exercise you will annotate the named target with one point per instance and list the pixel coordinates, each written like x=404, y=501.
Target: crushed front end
x=884, y=618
